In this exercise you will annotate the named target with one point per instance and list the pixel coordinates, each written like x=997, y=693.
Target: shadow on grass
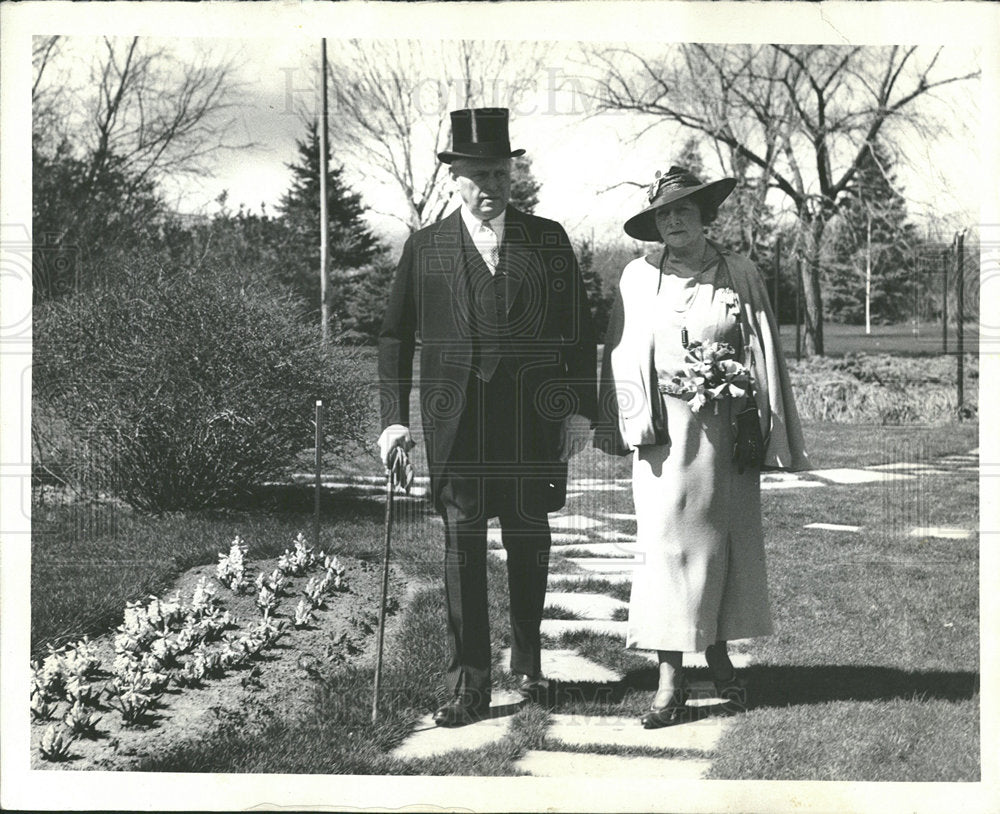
x=300, y=498
x=789, y=685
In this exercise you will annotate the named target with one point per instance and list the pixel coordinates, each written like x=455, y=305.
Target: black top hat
x=479, y=133
x=666, y=189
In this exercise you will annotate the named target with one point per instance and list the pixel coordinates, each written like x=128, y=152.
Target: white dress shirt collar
x=474, y=224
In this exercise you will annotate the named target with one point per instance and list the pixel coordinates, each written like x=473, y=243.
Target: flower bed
x=207, y=650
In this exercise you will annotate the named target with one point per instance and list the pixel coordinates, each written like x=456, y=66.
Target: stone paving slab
x=771, y=477
x=831, y=527
x=595, y=730
x=619, y=515
x=613, y=550
x=568, y=537
x=613, y=536
x=604, y=486
x=429, y=740
x=908, y=467
x=604, y=565
x=587, y=605
x=575, y=522
x=556, y=627
x=850, y=476
x=942, y=532
x=595, y=564
x=796, y=484
x=539, y=763
x=570, y=666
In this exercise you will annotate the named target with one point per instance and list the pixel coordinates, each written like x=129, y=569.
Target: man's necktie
x=492, y=246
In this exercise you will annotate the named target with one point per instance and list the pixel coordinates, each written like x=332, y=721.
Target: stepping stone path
x=607, y=541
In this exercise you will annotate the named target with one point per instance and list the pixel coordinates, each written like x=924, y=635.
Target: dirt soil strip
x=278, y=683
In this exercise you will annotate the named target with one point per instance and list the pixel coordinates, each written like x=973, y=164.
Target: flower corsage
x=711, y=373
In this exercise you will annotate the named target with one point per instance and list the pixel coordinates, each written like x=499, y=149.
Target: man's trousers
x=483, y=479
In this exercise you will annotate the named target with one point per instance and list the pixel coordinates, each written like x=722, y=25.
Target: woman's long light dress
x=701, y=575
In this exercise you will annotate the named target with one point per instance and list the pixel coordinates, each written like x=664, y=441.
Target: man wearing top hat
x=507, y=395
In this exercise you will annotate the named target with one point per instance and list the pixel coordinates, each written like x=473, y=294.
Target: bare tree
x=144, y=108
x=104, y=140
x=390, y=108
x=800, y=118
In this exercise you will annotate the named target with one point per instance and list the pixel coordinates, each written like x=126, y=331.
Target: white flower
x=82, y=658
x=81, y=692
x=80, y=720
x=266, y=599
x=41, y=708
x=55, y=743
x=314, y=591
x=204, y=596
x=132, y=704
x=303, y=614
x=230, y=569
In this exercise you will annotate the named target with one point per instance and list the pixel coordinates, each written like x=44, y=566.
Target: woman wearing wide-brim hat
x=692, y=345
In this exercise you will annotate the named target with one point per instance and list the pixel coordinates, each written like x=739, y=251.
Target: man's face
x=484, y=184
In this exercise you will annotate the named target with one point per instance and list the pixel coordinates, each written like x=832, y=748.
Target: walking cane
x=399, y=472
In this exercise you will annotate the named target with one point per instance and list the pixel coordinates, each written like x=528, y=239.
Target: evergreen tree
x=524, y=187
x=875, y=197
x=85, y=222
x=600, y=300
x=351, y=242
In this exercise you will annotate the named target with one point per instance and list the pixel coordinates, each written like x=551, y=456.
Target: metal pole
x=777, y=274
x=319, y=471
x=868, y=279
x=960, y=321
x=798, y=309
x=324, y=228
x=944, y=305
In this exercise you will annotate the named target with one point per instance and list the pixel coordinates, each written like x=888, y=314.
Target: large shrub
x=883, y=388
x=186, y=390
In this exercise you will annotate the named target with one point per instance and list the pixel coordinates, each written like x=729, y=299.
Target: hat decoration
x=674, y=185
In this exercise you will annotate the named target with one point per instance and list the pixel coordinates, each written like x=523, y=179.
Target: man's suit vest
x=490, y=306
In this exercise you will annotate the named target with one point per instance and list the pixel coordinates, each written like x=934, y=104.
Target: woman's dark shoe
x=732, y=691
x=674, y=712
x=465, y=708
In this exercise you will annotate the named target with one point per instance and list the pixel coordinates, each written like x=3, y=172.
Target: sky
x=582, y=158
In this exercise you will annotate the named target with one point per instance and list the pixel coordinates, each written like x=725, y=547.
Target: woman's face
x=679, y=224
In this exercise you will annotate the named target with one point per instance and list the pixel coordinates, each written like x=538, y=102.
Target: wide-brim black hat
x=479, y=133
x=666, y=189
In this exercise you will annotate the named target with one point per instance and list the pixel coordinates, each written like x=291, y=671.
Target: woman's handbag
x=748, y=450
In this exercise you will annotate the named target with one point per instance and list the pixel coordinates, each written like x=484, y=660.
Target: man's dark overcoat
x=440, y=299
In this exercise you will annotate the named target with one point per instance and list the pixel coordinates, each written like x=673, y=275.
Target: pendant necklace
x=689, y=300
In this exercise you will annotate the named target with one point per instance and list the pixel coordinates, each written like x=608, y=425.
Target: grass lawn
x=905, y=339
x=872, y=673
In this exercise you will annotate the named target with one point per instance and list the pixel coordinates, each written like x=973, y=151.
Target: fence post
x=944, y=306
x=319, y=471
x=777, y=275
x=798, y=305
x=960, y=323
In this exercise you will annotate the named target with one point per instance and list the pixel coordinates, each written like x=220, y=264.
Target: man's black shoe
x=465, y=708
x=534, y=689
